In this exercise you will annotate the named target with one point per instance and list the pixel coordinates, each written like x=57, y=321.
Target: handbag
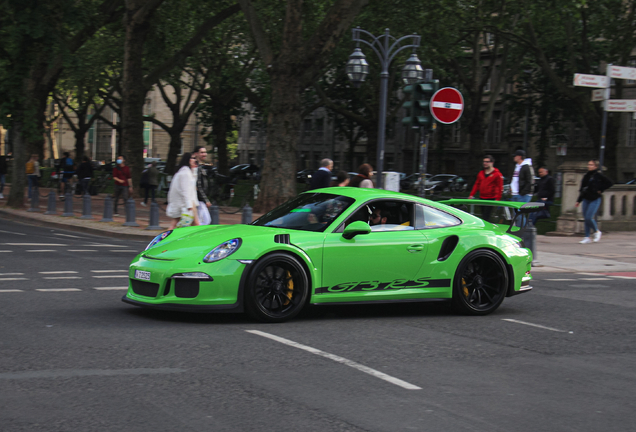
x=187, y=217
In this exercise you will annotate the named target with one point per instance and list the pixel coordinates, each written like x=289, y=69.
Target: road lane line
x=109, y=271
x=111, y=276
x=82, y=250
x=57, y=289
x=5, y=251
x=34, y=244
x=536, y=325
x=590, y=274
x=110, y=288
x=71, y=373
x=560, y=280
x=9, y=290
x=105, y=245
x=42, y=250
x=623, y=277
x=67, y=235
x=595, y=279
x=11, y=274
x=338, y=359
x=124, y=250
x=13, y=279
x=62, y=277
x=10, y=232
x=58, y=272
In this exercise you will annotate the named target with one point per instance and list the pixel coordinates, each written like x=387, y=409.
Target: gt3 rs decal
x=397, y=284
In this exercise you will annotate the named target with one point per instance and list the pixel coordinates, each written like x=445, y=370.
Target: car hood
x=198, y=241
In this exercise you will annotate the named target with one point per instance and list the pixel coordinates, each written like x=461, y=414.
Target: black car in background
x=245, y=171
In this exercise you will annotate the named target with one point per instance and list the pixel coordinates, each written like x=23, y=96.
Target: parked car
x=446, y=183
x=412, y=181
x=245, y=171
x=304, y=176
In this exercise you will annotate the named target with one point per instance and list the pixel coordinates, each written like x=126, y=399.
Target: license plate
x=144, y=275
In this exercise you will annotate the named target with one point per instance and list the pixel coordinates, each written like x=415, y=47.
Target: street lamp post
x=386, y=47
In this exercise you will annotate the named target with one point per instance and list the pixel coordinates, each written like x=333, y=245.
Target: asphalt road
x=73, y=357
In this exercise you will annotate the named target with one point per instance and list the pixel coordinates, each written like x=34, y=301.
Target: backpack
x=30, y=168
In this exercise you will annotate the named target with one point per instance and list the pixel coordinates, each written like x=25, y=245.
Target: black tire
x=480, y=283
x=276, y=289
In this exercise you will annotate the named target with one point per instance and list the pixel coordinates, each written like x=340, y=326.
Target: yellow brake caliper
x=290, y=286
x=465, y=288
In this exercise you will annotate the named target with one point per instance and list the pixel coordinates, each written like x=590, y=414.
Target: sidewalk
x=94, y=226
x=615, y=253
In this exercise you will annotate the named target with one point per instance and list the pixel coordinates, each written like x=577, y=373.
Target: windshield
x=306, y=212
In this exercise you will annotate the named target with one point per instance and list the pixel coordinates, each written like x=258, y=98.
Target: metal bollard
x=529, y=238
x=68, y=204
x=86, y=207
x=130, y=214
x=246, y=217
x=214, y=214
x=50, y=209
x=35, y=200
x=108, y=209
x=153, y=223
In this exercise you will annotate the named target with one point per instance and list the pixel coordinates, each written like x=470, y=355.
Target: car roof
x=366, y=193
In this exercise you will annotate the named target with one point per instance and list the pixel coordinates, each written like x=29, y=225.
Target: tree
x=293, y=62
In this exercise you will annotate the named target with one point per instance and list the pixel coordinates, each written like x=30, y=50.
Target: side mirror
x=356, y=228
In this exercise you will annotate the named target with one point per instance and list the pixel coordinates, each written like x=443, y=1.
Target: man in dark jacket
x=322, y=177
x=545, y=194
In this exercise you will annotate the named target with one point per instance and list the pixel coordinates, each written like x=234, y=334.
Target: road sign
x=447, y=105
x=620, y=105
x=583, y=80
x=622, y=72
x=598, y=95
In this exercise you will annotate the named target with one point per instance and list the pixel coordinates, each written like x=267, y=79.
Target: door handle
x=415, y=248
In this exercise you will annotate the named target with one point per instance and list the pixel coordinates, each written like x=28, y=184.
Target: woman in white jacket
x=183, y=191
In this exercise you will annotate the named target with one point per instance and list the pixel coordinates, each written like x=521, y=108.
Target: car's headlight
x=157, y=239
x=223, y=250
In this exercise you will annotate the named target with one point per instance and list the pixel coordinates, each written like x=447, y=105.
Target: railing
x=619, y=204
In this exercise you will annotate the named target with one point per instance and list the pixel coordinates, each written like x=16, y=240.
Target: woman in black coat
x=594, y=183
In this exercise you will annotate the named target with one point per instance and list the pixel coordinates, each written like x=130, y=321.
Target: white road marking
x=34, y=244
x=10, y=232
x=623, y=277
x=109, y=271
x=560, y=280
x=110, y=288
x=10, y=290
x=589, y=274
x=42, y=250
x=105, y=245
x=6, y=251
x=82, y=250
x=58, y=272
x=121, y=250
x=536, y=325
x=338, y=359
x=62, y=277
x=594, y=279
x=11, y=274
x=111, y=276
x=57, y=289
x=12, y=279
x=67, y=235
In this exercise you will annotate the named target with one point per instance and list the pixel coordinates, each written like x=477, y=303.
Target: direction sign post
x=447, y=105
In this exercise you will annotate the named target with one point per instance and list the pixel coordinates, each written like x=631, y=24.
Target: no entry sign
x=447, y=105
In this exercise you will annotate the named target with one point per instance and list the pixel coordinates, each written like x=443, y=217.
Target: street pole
x=424, y=136
x=601, y=157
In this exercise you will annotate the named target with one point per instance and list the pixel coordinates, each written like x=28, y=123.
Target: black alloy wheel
x=277, y=288
x=480, y=283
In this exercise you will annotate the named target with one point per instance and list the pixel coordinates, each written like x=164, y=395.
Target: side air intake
x=448, y=246
x=281, y=238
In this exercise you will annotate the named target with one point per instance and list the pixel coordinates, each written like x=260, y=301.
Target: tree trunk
x=283, y=123
x=219, y=129
x=80, y=135
x=18, y=177
x=173, y=151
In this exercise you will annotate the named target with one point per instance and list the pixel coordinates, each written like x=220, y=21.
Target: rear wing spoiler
x=512, y=209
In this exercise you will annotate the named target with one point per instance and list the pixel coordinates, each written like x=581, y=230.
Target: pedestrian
x=594, y=183
x=149, y=181
x=33, y=173
x=182, y=196
x=342, y=179
x=546, y=187
x=489, y=185
x=322, y=177
x=201, y=153
x=67, y=167
x=362, y=179
x=3, y=174
x=123, y=182
x=522, y=181
x=84, y=174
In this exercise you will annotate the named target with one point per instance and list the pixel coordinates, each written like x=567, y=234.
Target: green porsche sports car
x=337, y=246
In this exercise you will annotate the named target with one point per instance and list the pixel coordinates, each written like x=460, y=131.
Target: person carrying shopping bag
x=182, y=196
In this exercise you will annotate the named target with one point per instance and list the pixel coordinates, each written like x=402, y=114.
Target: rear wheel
x=480, y=283
x=277, y=289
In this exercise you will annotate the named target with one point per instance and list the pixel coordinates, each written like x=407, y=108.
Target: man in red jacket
x=489, y=184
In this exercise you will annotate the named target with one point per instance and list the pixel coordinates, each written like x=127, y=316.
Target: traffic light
x=418, y=112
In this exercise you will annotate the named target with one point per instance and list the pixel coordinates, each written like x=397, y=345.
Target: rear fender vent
x=448, y=246
x=281, y=238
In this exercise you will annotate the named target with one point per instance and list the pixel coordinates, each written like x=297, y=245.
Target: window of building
x=320, y=127
x=631, y=63
x=307, y=127
x=456, y=133
x=254, y=127
x=631, y=133
x=497, y=128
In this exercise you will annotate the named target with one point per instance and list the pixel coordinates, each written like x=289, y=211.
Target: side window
x=385, y=215
x=429, y=217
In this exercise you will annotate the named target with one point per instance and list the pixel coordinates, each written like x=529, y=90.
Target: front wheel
x=277, y=289
x=480, y=283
